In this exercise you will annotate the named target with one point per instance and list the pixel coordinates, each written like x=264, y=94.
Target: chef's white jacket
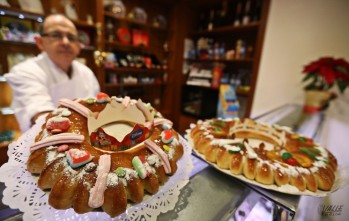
x=38, y=85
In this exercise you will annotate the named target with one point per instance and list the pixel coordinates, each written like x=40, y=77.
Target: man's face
x=60, y=40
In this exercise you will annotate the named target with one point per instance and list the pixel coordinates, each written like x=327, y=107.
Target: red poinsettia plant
x=326, y=72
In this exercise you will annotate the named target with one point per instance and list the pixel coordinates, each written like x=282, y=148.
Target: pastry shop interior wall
x=277, y=38
x=296, y=35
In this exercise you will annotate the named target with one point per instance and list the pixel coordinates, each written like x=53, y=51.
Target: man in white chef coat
x=39, y=83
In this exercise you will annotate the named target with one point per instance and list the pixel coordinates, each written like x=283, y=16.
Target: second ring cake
x=266, y=154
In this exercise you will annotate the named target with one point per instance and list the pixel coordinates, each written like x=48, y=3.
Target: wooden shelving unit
x=228, y=33
x=133, y=22
x=122, y=70
x=96, y=28
x=166, y=43
x=112, y=85
x=227, y=61
x=8, y=47
x=158, y=38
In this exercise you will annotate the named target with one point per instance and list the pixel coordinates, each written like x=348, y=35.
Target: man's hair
x=41, y=26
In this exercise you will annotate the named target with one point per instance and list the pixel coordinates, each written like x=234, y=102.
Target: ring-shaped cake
x=100, y=153
x=265, y=154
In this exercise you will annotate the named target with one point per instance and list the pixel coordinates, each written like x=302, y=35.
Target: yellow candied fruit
x=272, y=155
x=167, y=148
x=302, y=159
x=294, y=136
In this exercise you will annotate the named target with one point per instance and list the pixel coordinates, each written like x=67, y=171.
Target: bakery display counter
x=212, y=195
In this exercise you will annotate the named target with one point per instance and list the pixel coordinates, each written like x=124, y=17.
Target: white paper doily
x=22, y=192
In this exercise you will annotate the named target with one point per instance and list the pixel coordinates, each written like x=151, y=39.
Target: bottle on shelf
x=216, y=75
x=164, y=64
x=230, y=55
x=222, y=15
x=210, y=48
x=240, y=49
x=121, y=59
x=247, y=13
x=216, y=55
x=238, y=14
x=202, y=21
x=112, y=78
x=110, y=60
x=110, y=36
x=155, y=61
x=139, y=61
x=202, y=48
x=256, y=12
x=147, y=61
x=210, y=24
x=222, y=51
x=131, y=60
x=249, y=51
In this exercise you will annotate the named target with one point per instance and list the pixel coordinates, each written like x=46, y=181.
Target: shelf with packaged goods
x=126, y=47
x=33, y=45
x=9, y=127
x=18, y=43
x=27, y=15
x=228, y=29
x=114, y=85
x=22, y=45
x=239, y=91
x=130, y=70
x=133, y=22
x=136, y=44
x=233, y=61
x=210, y=41
x=87, y=29
x=19, y=13
x=4, y=147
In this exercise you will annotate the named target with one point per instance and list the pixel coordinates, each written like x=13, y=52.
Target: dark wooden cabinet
x=28, y=22
x=140, y=65
x=92, y=19
x=161, y=85
x=195, y=25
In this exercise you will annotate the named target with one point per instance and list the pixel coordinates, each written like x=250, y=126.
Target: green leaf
x=310, y=87
x=308, y=76
x=341, y=69
x=341, y=85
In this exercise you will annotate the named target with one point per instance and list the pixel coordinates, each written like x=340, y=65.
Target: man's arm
x=30, y=95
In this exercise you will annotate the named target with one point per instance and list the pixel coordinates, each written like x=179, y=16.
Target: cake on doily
x=265, y=154
x=101, y=153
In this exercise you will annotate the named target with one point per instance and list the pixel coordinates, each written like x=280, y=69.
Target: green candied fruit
x=286, y=156
x=216, y=129
x=308, y=152
x=233, y=151
x=241, y=145
x=148, y=105
x=219, y=123
x=315, y=149
x=90, y=101
x=120, y=172
x=302, y=139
